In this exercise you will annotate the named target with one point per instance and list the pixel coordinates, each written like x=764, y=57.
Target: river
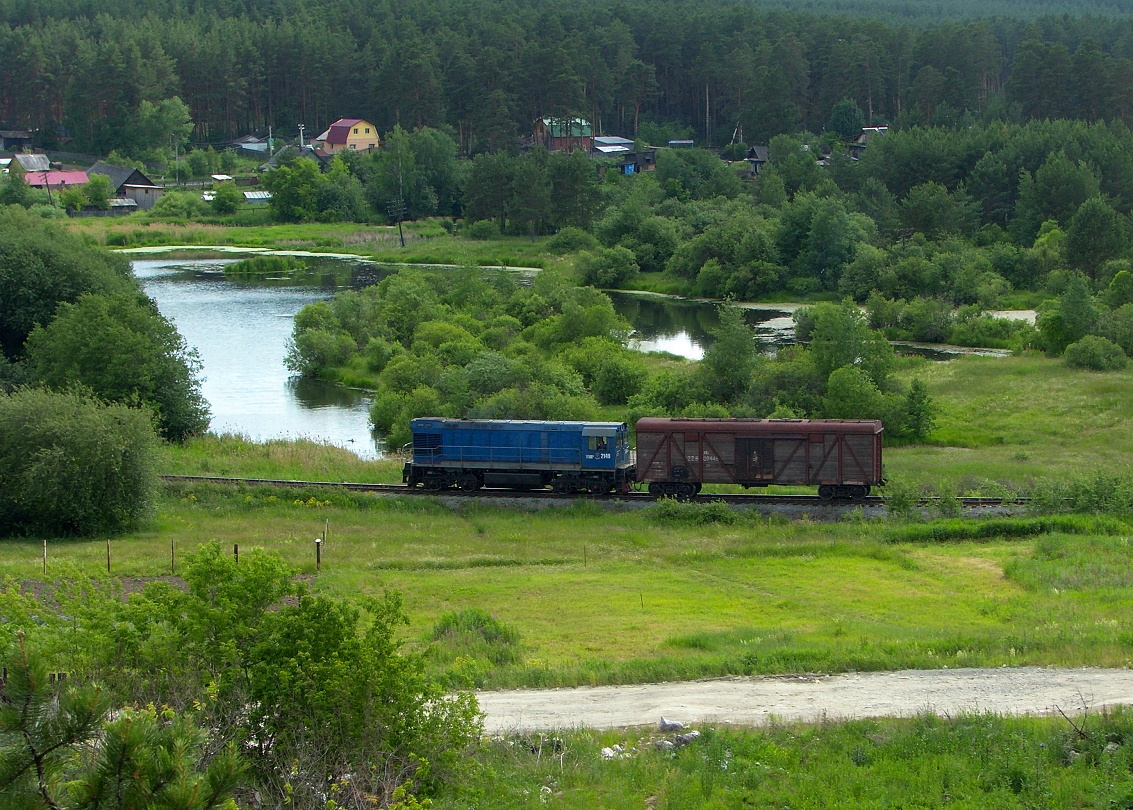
x=240, y=329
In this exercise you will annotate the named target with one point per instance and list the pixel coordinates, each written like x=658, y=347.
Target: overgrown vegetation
x=312, y=696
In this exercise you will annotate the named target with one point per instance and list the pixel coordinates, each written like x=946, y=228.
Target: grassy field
x=501, y=597
x=426, y=241
x=1016, y=419
x=678, y=591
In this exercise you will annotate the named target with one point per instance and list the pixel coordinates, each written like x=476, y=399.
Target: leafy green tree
x=920, y=410
x=1120, y=291
x=294, y=190
x=313, y=695
x=731, y=359
x=488, y=192
x=98, y=191
x=401, y=190
x=123, y=350
x=1068, y=319
x=41, y=266
x=159, y=127
x=227, y=199
x=930, y=209
x=73, y=198
x=618, y=378
x=15, y=191
x=851, y=394
x=840, y=336
x=846, y=120
x=72, y=465
x=179, y=205
x=1095, y=234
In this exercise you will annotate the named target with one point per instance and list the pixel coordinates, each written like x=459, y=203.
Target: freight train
x=675, y=457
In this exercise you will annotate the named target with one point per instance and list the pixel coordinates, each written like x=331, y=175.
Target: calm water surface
x=241, y=331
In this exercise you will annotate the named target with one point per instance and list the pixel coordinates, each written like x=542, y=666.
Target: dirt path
x=755, y=701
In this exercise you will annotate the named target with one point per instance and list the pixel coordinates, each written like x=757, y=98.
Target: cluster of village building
x=133, y=190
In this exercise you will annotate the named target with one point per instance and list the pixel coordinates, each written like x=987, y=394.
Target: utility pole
x=301, y=128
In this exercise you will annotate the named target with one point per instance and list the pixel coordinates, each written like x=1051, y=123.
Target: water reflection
x=241, y=328
x=684, y=327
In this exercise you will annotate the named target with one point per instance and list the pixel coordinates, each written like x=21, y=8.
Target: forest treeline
x=488, y=70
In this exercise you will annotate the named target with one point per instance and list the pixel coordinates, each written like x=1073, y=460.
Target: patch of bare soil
x=809, y=698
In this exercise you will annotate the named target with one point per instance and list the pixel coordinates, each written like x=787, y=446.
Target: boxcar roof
x=758, y=426
x=507, y=424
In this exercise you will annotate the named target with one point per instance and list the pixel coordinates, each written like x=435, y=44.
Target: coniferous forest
x=98, y=72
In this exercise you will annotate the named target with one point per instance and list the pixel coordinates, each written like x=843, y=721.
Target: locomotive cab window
x=597, y=443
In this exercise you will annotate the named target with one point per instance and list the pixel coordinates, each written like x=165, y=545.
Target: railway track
x=547, y=495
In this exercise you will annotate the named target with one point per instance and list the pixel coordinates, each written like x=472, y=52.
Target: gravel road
x=755, y=701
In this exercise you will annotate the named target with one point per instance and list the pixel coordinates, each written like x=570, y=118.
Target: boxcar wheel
x=685, y=491
x=656, y=490
x=826, y=492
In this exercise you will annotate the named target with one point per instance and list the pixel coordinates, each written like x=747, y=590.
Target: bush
x=1095, y=353
x=570, y=240
x=178, y=205
x=608, y=267
x=227, y=199
x=72, y=466
x=482, y=231
x=671, y=512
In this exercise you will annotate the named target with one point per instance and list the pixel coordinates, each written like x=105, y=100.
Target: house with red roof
x=348, y=134
x=55, y=181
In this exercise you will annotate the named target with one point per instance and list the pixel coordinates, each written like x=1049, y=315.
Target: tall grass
x=969, y=761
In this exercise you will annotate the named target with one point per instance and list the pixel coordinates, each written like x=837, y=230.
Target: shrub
x=571, y=239
x=474, y=629
x=671, y=512
x=482, y=230
x=227, y=198
x=178, y=205
x=72, y=466
x=1096, y=353
x=608, y=267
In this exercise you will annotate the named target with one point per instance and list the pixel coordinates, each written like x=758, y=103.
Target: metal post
x=318, y=554
x=108, y=555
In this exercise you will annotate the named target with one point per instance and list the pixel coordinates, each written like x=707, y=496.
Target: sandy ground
x=756, y=701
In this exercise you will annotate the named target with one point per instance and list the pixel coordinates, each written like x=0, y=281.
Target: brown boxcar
x=841, y=457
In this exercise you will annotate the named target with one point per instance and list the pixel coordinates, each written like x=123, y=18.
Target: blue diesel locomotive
x=591, y=457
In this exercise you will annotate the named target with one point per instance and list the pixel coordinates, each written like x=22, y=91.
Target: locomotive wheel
x=434, y=483
x=469, y=483
x=656, y=489
x=562, y=486
x=597, y=488
x=826, y=492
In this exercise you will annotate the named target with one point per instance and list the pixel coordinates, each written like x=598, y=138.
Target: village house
x=564, y=134
x=129, y=184
x=348, y=134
